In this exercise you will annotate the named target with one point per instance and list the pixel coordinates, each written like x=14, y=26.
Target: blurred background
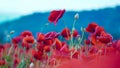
x=32, y=15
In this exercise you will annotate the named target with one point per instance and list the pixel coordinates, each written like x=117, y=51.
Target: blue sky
x=15, y=8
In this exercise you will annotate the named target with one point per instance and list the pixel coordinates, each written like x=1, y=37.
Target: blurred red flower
x=37, y=54
x=51, y=35
x=40, y=37
x=75, y=55
x=75, y=33
x=47, y=48
x=26, y=33
x=40, y=48
x=105, y=38
x=66, y=33
x=98, y=30
x=43, y=48
x=91, y=27
x=28, y=41
x=48, y=41
x=16, y=62
x=87, y=42
x=16, y=40
x=55, y=15
x=58, y=44
x=93, y=39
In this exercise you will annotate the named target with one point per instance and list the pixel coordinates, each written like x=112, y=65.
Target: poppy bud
x=76, y=16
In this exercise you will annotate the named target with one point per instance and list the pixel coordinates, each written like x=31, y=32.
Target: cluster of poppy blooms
x=49, y=51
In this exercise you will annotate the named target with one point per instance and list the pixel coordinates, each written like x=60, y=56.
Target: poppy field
x=92, y=48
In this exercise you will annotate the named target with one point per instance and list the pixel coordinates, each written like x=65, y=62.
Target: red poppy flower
x=37, y=54
x=40, y=48
x=105, y=37
x=40, y=37
x=55, y=15
x=16, y=62
x=58, y=44
x=87, y=42
x=48, y=41
x=65, y=48
x=47, y=48
x=66, y=33
x=16, y=40
x=26, y=33
x=75, y=33
x=75, y=55
x=28, y=41
x=98, y=30
x=51, y=35
x=91, y=27
x=93, y=39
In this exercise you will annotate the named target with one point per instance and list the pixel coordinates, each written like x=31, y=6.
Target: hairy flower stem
x=83, y=33
x=73, y=28
x=11, y=48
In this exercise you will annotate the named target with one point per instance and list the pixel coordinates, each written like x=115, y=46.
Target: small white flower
x=76, y=16
x=31, y=65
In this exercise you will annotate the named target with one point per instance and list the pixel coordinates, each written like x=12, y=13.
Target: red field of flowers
x=66, y=49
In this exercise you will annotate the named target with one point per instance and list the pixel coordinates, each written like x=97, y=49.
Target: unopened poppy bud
x=12, y=32
x=31, y=65
x=76, y=16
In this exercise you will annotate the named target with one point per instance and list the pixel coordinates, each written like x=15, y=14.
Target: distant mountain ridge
x=109, y=18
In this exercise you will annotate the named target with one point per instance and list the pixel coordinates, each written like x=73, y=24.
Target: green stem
x=83, y=32
x=11, y=48
x=74, y=23
x=73, y=28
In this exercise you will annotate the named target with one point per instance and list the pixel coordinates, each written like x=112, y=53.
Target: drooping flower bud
x=76, y=16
